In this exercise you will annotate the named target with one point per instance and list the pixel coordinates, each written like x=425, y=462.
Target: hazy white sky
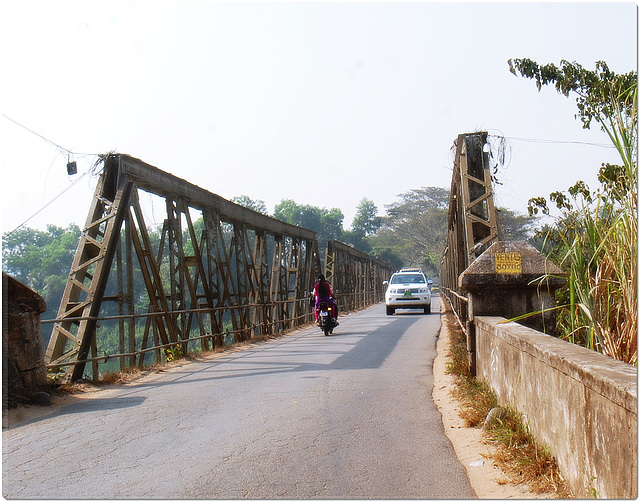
x=323, y=103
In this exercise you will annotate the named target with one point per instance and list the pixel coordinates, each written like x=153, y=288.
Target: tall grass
x=601, y=259
x=597, y=246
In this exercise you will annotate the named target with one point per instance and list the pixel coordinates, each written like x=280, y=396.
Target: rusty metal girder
x=472, y=221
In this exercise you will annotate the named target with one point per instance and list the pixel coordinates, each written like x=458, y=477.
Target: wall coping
x=612, y=379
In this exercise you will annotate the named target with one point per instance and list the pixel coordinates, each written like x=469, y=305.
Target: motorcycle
x=326, y=319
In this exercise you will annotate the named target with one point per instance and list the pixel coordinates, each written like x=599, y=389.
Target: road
x=304, y=416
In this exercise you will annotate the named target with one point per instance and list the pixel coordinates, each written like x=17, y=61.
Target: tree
x=365, y=224
x=255, y=205
x=415, y=228
x=289, y=211
x=41, y=260
x=595, y=236
x=366, y=221
x=601, y=95
x=327, y=223
x=515, y=226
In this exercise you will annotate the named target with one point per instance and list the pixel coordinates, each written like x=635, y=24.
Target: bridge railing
x=459, y=305
x=194, y=342
x=216, y=273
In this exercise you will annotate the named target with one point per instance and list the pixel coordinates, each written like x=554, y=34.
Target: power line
x=69, y=152
x=555, y=141
x=69, y=155
x=47, y=204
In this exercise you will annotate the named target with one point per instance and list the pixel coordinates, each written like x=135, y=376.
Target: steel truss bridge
x=219, y=274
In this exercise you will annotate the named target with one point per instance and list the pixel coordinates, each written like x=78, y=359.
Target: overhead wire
x=59, y=147
x=92, y=170
x=500, y=149
x=562, y=142
x=7, y=234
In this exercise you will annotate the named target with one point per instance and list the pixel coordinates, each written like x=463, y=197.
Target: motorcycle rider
x=322, y=292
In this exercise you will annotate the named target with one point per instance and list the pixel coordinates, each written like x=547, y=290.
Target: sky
x=323, y=103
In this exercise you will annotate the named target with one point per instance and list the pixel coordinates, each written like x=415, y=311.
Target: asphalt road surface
x=304, y=416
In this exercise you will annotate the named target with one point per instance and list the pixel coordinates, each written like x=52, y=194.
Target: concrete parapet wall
x=580, y=404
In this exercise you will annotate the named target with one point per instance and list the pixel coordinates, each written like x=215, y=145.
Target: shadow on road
x=369, y=352
x=349, y=348
x=87, y=406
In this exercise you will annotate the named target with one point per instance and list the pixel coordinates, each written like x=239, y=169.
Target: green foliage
x=331, y=221
x=515, y=226
x=41, y=260
x=365, y=224
x=415, y=228
x=595, y=236
x=385, y=253
x=357, y=240
x=599, y=94
x=255, y=205
x=414, y=231
x=327, y=223
x=366, y=221
x=173, y=353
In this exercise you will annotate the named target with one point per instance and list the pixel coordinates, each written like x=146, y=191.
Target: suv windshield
x=408, y=279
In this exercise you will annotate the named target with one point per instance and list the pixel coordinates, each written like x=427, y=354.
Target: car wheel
x=391, y=310
x=427, y=309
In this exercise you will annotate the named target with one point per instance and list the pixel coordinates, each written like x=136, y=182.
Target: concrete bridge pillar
x=511, y=279
x=24, y=371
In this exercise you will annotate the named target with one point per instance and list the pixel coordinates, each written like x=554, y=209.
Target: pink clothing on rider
x=328, y=291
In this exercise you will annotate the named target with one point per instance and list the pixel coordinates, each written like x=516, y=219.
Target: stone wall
x=22, y=355
x=580, y=404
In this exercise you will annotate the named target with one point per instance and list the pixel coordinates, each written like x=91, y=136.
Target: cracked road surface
x=304, y=416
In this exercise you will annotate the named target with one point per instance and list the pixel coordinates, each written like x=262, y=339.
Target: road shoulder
x=488, y=481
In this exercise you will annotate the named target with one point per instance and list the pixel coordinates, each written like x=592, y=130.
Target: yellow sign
x=508, y=263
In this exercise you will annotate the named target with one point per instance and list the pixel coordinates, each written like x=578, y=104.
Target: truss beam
x=472, y=223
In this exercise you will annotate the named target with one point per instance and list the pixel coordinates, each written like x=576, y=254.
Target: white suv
x=408, y=289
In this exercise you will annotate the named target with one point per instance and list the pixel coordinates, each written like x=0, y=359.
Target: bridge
x=233, y=274
x=222, y=273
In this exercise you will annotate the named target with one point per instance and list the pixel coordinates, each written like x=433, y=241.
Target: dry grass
x=118, y=377
x=516, y=453
x=476, y=400
x=522, y=459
